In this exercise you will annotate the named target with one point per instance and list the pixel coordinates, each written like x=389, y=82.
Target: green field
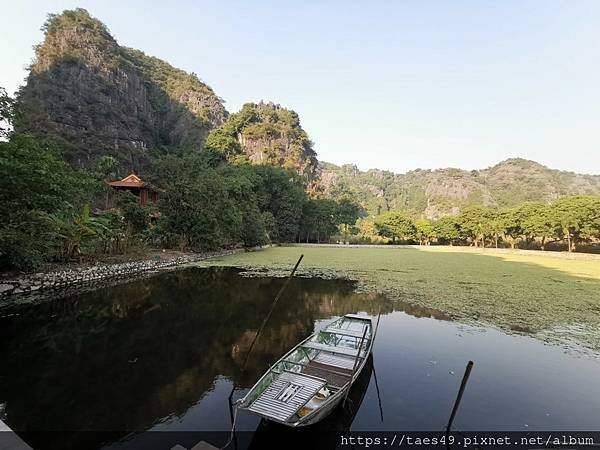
x=554, y=296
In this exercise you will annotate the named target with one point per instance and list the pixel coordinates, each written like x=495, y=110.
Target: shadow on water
x=154, y=360
x=125, y=357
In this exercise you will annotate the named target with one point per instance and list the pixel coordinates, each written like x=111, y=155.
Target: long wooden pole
x=463, y=384
x=262, y=326
x=232, y=414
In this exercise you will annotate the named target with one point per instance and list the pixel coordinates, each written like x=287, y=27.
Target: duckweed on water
x=552, y=296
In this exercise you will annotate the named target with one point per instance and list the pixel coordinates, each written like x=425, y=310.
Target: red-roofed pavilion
x=132, y=183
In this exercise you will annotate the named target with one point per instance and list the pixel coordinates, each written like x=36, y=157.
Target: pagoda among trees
x=134, y=184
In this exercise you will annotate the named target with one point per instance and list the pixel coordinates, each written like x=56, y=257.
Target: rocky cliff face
x=277, y=138
x=436, y=193
x=101, y=98
x=267, y=133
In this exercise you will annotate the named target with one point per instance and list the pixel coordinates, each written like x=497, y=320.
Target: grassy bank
x=556, y=298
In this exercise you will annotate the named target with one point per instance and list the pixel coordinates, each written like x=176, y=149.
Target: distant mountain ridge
x=440, y=192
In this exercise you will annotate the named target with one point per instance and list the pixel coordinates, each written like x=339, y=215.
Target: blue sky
x=397, y=85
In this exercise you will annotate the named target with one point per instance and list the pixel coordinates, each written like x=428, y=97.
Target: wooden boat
x=323, y=435
x=308, y=382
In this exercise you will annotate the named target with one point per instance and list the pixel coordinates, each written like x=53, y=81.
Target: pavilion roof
x=131, y=181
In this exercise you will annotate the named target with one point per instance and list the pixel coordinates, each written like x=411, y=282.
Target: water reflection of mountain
x=123, y=357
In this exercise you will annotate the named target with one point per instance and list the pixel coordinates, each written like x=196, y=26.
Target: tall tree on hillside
x=395, y=225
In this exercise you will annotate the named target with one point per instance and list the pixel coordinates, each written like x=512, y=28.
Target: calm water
x=163, y=354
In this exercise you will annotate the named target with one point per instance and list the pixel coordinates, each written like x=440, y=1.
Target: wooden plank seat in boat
x=345, y=332
x=338, y=361
x=286, y=395
x=331, y=348
x=336, y=377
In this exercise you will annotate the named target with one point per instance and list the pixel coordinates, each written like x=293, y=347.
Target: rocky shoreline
x=59, y=280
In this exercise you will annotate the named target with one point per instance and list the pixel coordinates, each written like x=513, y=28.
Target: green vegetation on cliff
x=59, y=213
x=266, y=133
x=436, y=193
x=93, y=110
x=103, y=99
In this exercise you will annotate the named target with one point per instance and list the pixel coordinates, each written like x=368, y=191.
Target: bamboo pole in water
x=262, y=326
x=463, y=384
x=232, y=414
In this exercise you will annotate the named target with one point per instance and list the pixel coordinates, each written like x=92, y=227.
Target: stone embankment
x=69, y=277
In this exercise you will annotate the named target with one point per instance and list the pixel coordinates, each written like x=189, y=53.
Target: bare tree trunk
x=569, y=242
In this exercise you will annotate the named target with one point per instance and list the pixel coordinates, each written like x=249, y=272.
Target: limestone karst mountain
x=435, y=193
x=102, y=98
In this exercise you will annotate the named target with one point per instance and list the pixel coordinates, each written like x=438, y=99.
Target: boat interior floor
x=286, y=395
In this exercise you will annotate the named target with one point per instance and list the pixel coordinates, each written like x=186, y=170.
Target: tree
x=348, y=213
x=539, y=220
x=73, y=230
x=6, y=113
x=281, y=192
x=447, y=229
x=309, y=220
x=474, y=221
x=197, y=211
x=493, y=225
x=136, y=217
x=319, y=218
x=224, y=142
x=511, y=219
x=424, y=231
x=395, y=224
x=578, y=218
x=35, y=183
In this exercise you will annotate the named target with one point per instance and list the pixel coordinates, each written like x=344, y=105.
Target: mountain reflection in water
x=163, y=353
x=127, y=356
